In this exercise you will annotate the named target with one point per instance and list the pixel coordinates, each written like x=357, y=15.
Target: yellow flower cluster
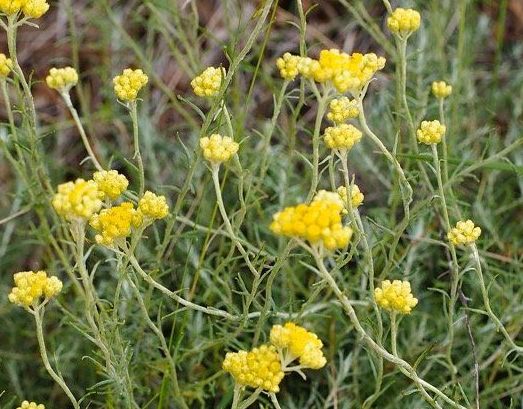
x=441, y=89
x=300, y=344
x=395, y=296
x=404, y=21
x=217, y=148
x=30, y=287
x=347, y=72
x=129, y=83
x=208, y=83
x=62, y=79
x=325, y=195
x=110, y=183
x=30, y=405
x=319, y=223
x=431, y=132
x=115, y=223
x=342, y=137
x=6, y=65
x=342, y=109
x=258, y=368
x=465, y=232
x=30, y=8
x=355, y=193
x=77, y=200
x=153, y=207
x=288, y=66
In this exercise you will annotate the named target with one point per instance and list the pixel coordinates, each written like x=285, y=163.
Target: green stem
x=38, y=314
x=133, y=111
x=250, y=400
x=74, y=113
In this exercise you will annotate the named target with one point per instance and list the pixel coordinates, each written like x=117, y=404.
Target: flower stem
x=39, y=317
x=322, y=107
x=133, y=111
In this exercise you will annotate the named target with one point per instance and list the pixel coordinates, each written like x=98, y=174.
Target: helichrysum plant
x=208, y=83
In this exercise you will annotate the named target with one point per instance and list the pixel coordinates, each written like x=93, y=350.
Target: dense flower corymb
x=342, y=109
x=300, y=344
x=318, y=223
x=431, y=132
x=404, y=21
x=465, y=232
x=342, y=137
x=62, y=79
x=208, y=83
x=115, y=223
x=288, y=66
x=129, y=83
x=441, y=89
x=259, y=368
x=30, y=405
x=77, y=200
x=395, y=296
x=110, y=183
x=31, y=286
x=355, y=194
x=152, y=206
x=30, y=8
x=6, y=65
x=217, y=148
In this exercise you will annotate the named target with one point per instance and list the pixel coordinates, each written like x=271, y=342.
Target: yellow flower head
x=355, y=194
x=431, y=132
x=395, y=296
x=319, y=223
x=153, y=207
x=77, y=200
x=325, y=195
x=6, y=65
x=110, y=183
x=115, y=224
x=62, y=79
x=300, y=344
x=404, y=22
x=259, y=368
x=342, y=109
x=11, y=6
x=30, y=405
x=209, y=82
x=308, y=67
x=441, y=89
x=465, y=232
x=218, y=149
x=129, y=83
x=30, y=287
x=35, y=8
x=342, y=137
x=288, y=66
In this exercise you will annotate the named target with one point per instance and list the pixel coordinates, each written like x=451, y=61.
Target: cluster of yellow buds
x=62, y=79
x=153, y=207
x=30, y=287
x=318, y=223
x=404, y=22
x=464, y=233
x=342, y=109
x=288, y=66
x=395, y=296
x=209, y=82
x=342, y=137
x=30, y=8
x=77, y=200
x=115, y=223
x=441, y=90
x=258, y=368
x=6, y=65
x=325, y=195
x=30, y=405
x=129, y=83
x=298, y=343
x=217, y=148
x=111, y=183
x=431, y=132
x=355, y=194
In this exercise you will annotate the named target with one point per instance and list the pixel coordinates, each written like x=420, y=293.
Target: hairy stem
x=133, y=111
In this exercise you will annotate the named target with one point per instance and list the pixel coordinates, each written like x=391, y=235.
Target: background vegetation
x=474, y=45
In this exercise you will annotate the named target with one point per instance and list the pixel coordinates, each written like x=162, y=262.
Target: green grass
x=190, y=252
